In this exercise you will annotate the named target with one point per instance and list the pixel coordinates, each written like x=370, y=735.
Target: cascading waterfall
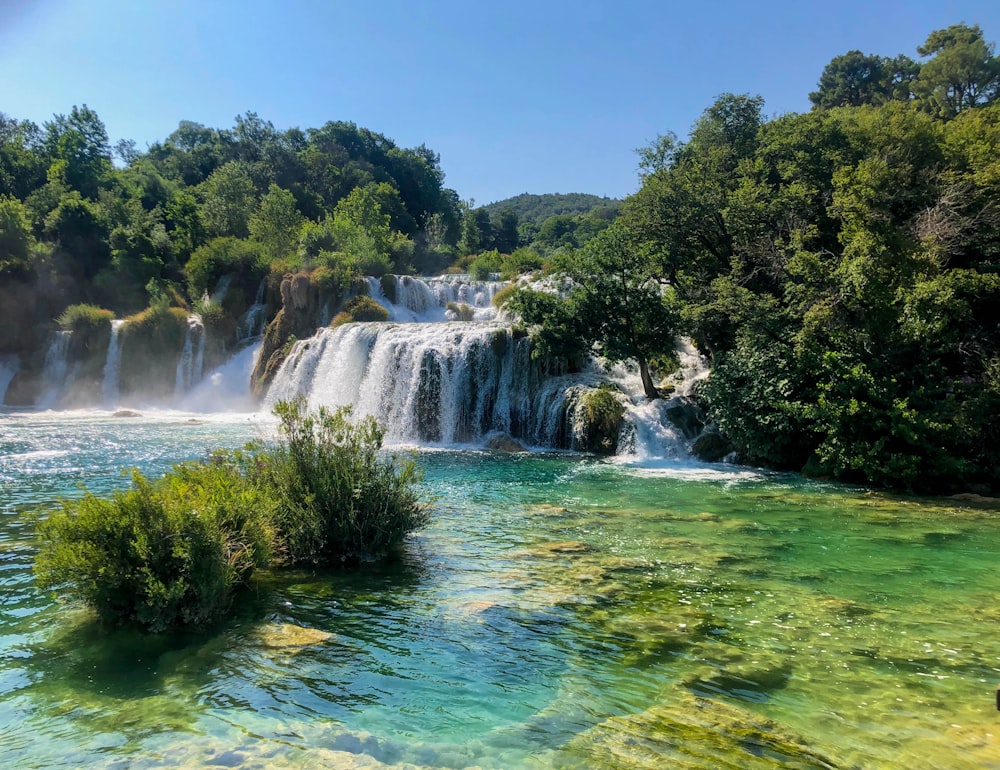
x=55, y=370
x=432, y=381
x=426, y=300
x=426, y=377
x=189, y=365
x=9, y=366
x=112, y=367
x=444, y=383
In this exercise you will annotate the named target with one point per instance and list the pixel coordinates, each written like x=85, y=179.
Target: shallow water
x=559, y=611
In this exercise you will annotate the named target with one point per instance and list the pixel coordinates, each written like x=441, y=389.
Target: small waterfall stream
x=189, y=365
x=252, y=323
x=112, y=367
x=55, y=370
x=9, y=366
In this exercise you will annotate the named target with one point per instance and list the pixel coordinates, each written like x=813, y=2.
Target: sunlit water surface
x=559, y=611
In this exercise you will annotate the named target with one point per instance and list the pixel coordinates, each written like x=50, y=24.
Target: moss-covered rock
x=360, y=309
x=691, y=732
x=711, y=447
x=302, y=297
x=152, y=342
x=599, y=420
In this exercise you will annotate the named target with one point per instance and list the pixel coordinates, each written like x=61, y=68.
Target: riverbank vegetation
x=175, y=550
x=841, y=269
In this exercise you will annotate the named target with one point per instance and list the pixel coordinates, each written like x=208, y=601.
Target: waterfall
x=55, y=370
x=443, y=383
x=648, y=432
x=112, y=367
x=252, y=324
x=426, y=300
x=227, y=388
x=9, y=366
x=189, y=364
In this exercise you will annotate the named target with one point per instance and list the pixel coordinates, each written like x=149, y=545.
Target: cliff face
x=305, y=306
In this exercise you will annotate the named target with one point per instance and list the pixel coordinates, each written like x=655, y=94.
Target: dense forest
x=74, y=228
x=840, y=267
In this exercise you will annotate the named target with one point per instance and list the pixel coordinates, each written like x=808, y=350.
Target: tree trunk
x=647, y=379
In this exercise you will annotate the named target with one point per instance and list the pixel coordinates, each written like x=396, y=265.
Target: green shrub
x=360, y=308
x=485, y=265
x=461, y=311
x=165, y=553
x=85, y=318
x=523, y=260
x=501, y=297
x=338, y=499
x=219, y=257
x=173, y=551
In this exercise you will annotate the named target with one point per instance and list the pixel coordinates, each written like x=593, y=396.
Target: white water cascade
x=429, y=378
x=226, y=388
x=112, y=367
x=55, y=370
x=440, y=383
x=189, y=365
x=427, y=300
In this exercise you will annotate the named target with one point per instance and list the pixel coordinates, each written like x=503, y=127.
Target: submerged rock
x=286, y=636
x=692, y=732
x=126, y=413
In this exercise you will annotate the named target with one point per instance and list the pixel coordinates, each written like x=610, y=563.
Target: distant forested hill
x=537, y=208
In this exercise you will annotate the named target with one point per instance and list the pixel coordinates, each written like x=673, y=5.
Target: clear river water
x=559, y=611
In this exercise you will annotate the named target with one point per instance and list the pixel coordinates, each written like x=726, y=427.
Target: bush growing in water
x=163, y=553
x=337, y=499
x=602, y=413
x=173, y=551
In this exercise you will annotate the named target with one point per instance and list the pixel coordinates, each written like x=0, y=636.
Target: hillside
x=537, y=208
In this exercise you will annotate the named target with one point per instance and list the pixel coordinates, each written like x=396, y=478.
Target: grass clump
x=174, y=551
x=85, y=318
x=503, y=295
x=460, y=311
x=360, y=308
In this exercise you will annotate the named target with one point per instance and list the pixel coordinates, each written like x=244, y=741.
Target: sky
x=521, y=96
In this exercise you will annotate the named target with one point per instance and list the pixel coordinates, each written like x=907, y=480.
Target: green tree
x=276, y=223
x=15, y=238
x=853, y=79
x=506, y=238
x=81, y=142
x=616, y=304
x=961, y=73
x=228, y=199
x=80, y=233
x=22, y=164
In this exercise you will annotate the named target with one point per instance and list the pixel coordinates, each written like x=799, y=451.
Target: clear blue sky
x=540, y=96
